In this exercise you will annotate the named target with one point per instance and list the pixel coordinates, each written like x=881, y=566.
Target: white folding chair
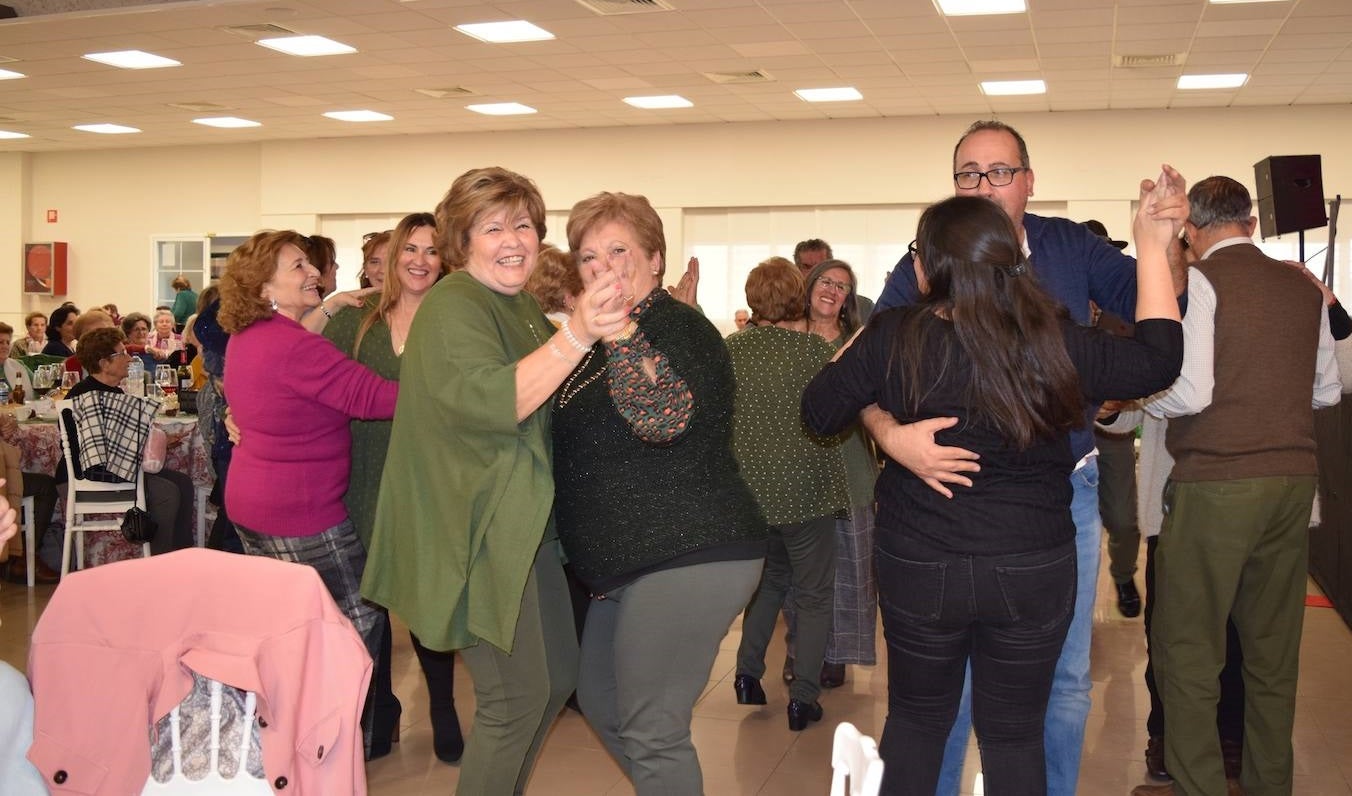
x=856, y=769
x=93, y=505
x=30, y=537
x=212, y=781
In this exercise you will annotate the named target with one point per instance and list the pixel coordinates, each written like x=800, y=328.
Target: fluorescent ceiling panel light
x=501, y=109
x=359, y=116
x=107, y=129
x=131, y=59
x=226, y=121
x=662, y=101
x=306, y=46
x=968, y=8
x=1009, y=88
x=1212, y=81
x=842, y=94
x=513, y=30
x=8, y=134
x=6, y=74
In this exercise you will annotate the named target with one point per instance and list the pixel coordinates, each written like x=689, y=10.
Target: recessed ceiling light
x=501, y=108
x=1212, y=81
x=1006, y=88
x=513, y=30
x=359, y=116
x=8, y=134
x=226, y=121
x=842, y=94
x=966, y=8
x=306, y=46
x=131, y=59
x=107, y=129
x=6, y=74
x=661, y=101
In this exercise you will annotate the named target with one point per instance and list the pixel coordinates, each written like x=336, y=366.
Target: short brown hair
x=774, y=291
x=469, y=196
x=250, y=266
x=554, y=277
x=181, y=283
x=627, y=208
x=322, y=251
x=6, y=328
x=130, y=320
x=369, y=246
x=89, y=319
x=32, y=316
x=96, y=346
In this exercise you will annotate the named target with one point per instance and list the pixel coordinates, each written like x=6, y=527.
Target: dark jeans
x=1009, y=615
x=1230, y=708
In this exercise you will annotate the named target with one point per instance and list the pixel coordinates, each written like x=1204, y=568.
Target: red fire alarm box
x=44, y=269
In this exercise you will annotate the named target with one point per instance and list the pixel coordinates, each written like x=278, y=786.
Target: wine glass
x=69, y=379
x=165, y=378
x=42, y=381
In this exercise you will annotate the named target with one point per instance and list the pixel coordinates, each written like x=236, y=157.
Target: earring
x=273, y=303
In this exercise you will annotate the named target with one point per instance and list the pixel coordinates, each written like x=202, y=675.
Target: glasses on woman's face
x=828, y=282
x=910, y=249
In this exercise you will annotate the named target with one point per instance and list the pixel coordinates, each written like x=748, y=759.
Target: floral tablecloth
x=40, y=452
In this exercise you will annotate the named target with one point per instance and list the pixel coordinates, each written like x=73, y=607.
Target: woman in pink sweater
x=293, y=393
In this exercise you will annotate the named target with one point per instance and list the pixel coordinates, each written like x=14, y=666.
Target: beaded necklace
x=569, y=392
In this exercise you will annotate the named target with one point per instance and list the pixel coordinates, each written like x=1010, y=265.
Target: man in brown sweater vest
x=1257, y=356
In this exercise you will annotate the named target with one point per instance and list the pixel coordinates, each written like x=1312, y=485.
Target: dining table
x=40, y=452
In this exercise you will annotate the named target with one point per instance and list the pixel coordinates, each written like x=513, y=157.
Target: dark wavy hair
x=848, y=316
x=1008, y=329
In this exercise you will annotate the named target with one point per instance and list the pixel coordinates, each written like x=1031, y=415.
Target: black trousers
x=1008, y=615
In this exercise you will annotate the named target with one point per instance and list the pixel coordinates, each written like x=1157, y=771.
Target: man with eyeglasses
x=1075, y=266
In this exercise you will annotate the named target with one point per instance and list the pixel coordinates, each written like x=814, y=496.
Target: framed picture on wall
x=44, y=269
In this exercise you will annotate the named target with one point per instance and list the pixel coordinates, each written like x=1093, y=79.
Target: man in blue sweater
x=1075, y=266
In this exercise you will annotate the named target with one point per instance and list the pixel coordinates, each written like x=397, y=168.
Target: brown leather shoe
x=832, y=675
x=1154, y=758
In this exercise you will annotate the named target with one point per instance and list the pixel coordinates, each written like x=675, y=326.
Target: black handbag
x=137, y=526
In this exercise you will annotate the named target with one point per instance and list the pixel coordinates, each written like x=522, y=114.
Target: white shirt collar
x=1221, y=244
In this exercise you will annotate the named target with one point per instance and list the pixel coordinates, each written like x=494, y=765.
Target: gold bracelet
x=627, y=332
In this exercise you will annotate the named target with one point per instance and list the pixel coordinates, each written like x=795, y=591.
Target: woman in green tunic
x=464, y=548
x=375, y=336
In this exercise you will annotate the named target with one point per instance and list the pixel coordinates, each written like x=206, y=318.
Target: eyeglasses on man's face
x=998, y=178
x=828, y=282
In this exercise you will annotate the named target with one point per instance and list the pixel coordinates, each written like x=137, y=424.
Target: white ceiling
x=905, y=57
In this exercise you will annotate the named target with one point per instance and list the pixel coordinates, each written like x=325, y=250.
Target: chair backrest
x=856, y=769
x=204, y=710
x=92, y=505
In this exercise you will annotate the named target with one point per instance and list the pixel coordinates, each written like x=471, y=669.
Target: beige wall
x=111, y=202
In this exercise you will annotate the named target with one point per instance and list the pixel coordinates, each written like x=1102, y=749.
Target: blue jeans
x=1008, y=615
x=1069, y=705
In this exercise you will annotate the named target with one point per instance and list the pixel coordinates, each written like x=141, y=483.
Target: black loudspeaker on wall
x=1290, y=193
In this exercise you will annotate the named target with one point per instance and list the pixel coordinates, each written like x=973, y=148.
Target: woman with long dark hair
x=989, y=574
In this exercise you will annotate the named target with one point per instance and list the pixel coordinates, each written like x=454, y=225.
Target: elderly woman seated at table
x=169, y=494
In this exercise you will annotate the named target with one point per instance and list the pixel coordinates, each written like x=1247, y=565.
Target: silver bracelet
x=572, y=338
x=325, y=310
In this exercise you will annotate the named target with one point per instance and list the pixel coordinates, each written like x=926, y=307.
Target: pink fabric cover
x=111, y=655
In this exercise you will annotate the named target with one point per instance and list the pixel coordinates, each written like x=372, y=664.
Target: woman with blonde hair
x=375, y=336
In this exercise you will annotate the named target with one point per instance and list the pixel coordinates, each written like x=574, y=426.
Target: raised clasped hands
x=602, y=311
x=1163, y=207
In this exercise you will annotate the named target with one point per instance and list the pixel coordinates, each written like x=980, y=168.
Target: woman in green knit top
x=655, y=518
x=374, y=336
x=798, y=478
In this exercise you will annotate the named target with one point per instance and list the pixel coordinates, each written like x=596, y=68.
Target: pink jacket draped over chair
x=111, y=655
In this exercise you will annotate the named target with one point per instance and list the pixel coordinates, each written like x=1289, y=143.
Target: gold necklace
x=568, y=392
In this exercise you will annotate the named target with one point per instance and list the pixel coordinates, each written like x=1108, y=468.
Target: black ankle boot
x=748, y=690
x=439, y=670
x=800, y=713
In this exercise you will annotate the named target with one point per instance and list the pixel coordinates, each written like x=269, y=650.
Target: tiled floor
x=751, y=751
